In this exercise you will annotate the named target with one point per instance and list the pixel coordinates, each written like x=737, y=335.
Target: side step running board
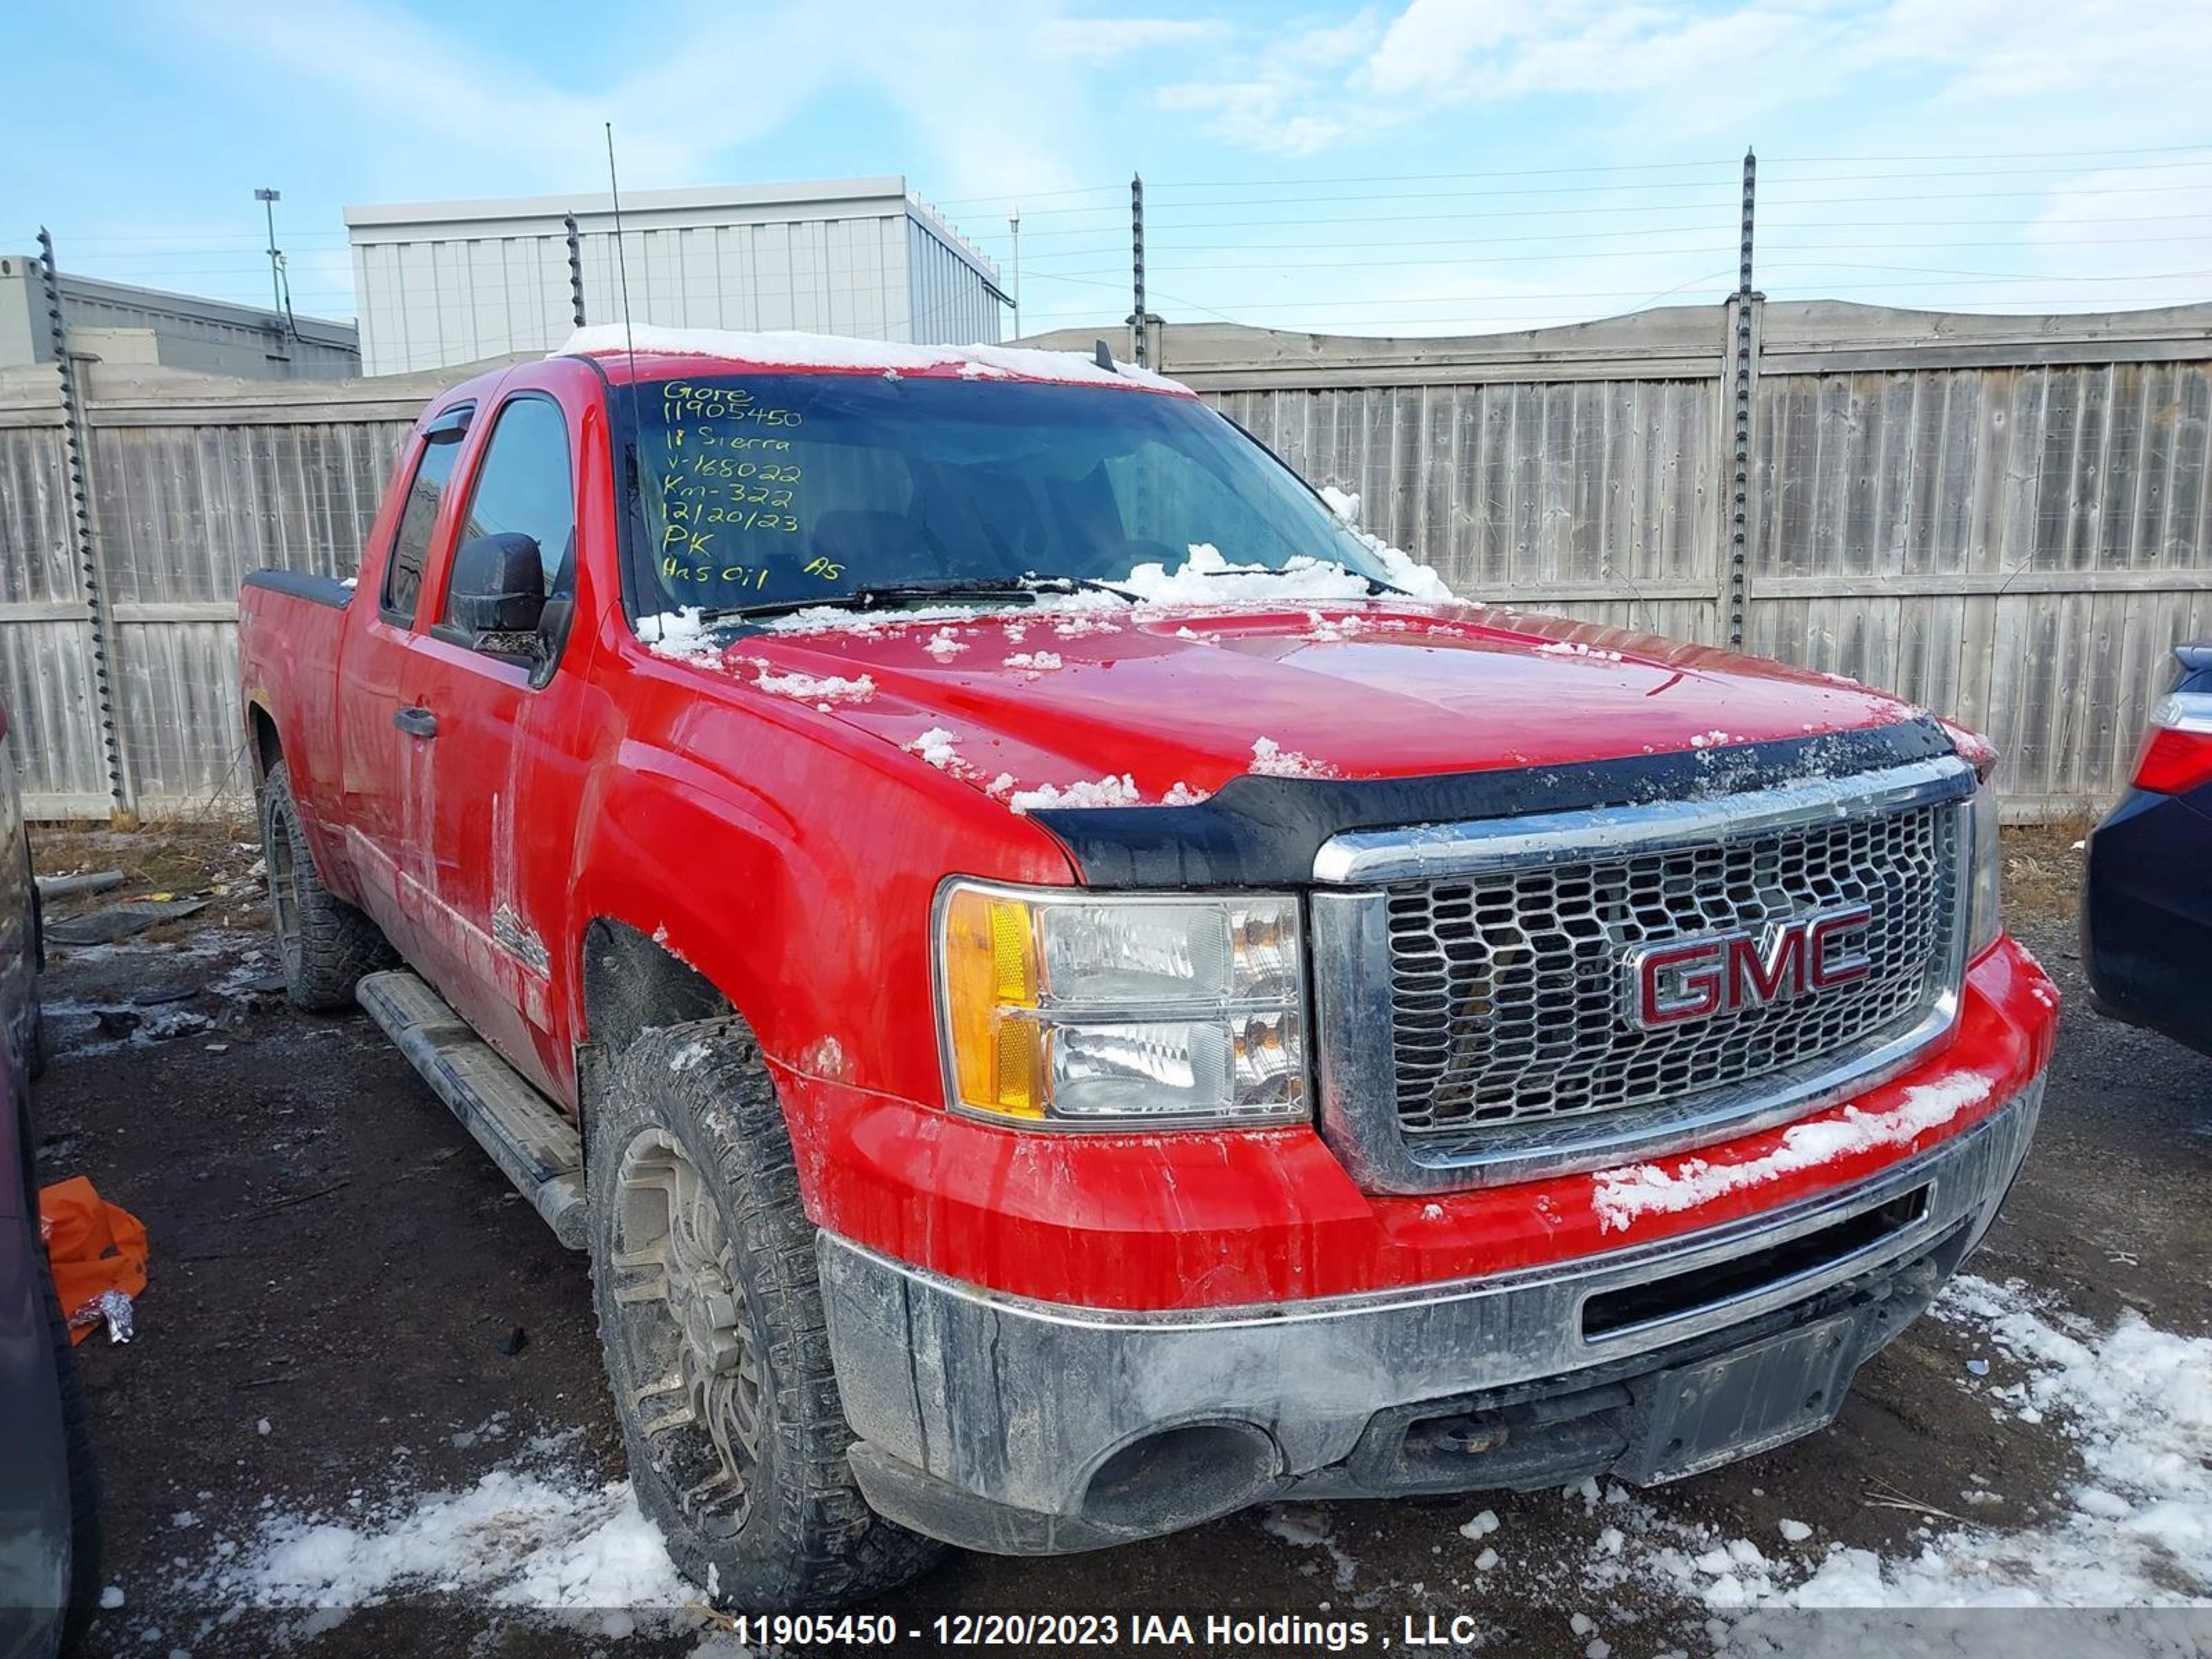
x=537, y=1148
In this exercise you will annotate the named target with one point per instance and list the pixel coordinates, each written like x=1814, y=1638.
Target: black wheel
x=324, y=944
x=84, y=1475
x=710, y=1318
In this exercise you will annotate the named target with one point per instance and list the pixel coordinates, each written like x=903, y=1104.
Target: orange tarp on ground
x=96, y=1247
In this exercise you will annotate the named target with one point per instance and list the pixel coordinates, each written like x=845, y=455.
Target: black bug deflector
x=1260, y=831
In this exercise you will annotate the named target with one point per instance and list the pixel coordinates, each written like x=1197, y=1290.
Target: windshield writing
x=799, y=489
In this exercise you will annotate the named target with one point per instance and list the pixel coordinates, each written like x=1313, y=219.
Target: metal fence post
x=1138, y=343
x=575, y=269
x=78, y=458
x=1745, y=352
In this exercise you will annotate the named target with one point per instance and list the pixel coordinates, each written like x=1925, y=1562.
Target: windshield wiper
x=877, y=594
x=1376, y=585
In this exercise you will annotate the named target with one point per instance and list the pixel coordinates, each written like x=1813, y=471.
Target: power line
x=1622, y=294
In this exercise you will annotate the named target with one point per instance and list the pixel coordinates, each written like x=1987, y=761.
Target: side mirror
x=498, y=586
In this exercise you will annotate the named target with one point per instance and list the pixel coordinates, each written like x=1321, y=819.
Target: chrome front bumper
x=1024, y=1427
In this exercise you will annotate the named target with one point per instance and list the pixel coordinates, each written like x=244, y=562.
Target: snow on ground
x=537, y=1539
x=2127, y=1547
x=2134, y=1534
x=2129, y=1542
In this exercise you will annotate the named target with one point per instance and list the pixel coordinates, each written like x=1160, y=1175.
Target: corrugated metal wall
x=876, y=265
x=196, y=338
x=950, y=305
x=2008, y=520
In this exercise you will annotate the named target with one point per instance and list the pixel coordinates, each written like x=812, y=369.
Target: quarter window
x=410, y=548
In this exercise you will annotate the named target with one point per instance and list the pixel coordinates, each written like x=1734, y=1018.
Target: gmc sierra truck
x=1066, y=990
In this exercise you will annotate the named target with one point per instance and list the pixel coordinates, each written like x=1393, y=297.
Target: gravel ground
x=349, y=1301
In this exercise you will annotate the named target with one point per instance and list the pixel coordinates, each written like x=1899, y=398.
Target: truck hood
x=1112, y=705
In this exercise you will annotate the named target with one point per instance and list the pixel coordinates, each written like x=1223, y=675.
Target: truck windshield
x=774, y=490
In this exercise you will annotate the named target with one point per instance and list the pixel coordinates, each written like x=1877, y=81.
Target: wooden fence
x=2003, y=518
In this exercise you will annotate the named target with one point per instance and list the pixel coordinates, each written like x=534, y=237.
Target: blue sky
x=1411, y=166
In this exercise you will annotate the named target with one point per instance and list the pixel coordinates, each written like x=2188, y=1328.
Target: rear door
x=496, y=801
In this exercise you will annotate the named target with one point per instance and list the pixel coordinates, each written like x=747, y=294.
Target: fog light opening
x=1179, y=1476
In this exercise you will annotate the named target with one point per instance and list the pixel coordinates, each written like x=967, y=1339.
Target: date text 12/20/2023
x=1173, y=1632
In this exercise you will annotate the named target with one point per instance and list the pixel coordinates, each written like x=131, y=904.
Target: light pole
x=269, y=198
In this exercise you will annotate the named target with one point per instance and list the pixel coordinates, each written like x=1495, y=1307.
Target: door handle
x=417, y=722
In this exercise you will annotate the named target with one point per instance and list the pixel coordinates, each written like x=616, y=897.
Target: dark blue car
x=2147, y=912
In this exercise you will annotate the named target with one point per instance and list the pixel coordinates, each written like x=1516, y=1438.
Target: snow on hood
x=791, y=349
x=1166, y=700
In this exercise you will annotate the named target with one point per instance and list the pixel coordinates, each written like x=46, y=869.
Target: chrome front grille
x=1506, y=988
x=1473, y=1018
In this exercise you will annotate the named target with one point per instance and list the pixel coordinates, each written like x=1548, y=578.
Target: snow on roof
x=790, y=349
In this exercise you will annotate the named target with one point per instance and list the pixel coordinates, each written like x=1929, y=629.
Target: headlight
x=1072, y=1009
x=1985, y=887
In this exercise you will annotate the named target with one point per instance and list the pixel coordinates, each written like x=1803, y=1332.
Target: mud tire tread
x=811, y=1539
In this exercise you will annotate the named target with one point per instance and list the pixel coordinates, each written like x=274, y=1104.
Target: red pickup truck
x=1066, y=991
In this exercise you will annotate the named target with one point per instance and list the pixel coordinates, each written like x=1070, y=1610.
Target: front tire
x=326, y=946
x=711, y=1321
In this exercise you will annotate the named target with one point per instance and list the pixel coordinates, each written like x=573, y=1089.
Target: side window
x=524, y=485
x=410, y=548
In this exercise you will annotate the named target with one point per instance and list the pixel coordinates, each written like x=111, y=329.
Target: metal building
x=118, y=323
x=439, y=284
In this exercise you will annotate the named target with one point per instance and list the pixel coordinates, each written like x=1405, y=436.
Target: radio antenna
x=622, y=261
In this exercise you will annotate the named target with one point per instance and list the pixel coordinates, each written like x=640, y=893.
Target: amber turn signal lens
x=990, y=966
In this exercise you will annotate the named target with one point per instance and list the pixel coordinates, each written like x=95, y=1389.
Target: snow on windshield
x=776, y=491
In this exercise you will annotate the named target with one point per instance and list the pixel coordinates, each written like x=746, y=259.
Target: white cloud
x=417, y=86
x=1286, y=100
x=1104, y=39
x=1685, y=70
x=1001, y=98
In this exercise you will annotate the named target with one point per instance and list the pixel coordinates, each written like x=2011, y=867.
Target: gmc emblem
x=1694, y=979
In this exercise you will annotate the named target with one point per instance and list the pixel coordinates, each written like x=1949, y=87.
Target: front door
x=380, y=758
x=497, y=800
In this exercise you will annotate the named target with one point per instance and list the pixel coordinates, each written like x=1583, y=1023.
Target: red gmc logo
x=1694, y=979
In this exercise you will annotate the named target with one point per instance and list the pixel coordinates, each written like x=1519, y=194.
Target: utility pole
x=269, y=198
x=1137, y=328
x=1739, y=483
x=76, y=458
x=575, y=269
x=1014, y=223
